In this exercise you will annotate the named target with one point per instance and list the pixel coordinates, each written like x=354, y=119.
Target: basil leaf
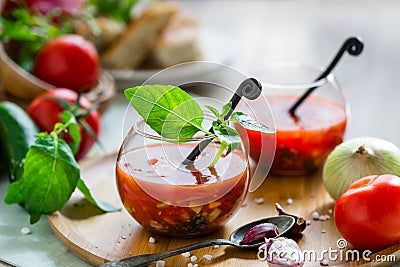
x=69, y=119
x=249, y=123
x=104, y=206
x=15, y=193
x=168, y=110
x=215, y=111
x=50, y=176
x=225, y=109
x=228, y=135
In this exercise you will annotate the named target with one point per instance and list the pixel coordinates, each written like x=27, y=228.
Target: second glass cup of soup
x=303, y=141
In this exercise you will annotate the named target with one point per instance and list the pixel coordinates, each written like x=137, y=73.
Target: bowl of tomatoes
x=98, y=86
x=39, y=52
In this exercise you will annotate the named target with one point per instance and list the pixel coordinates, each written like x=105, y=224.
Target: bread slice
x=177, y=43
x=108, y=29
x=131, y=47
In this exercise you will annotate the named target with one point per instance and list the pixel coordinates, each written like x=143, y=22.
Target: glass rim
x=294, y=64
x=167, y=139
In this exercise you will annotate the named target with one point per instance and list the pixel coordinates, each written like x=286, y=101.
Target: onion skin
x=259, y=232
x=357, y=158
x=300, y=223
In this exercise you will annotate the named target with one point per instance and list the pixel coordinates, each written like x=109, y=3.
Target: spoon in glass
x=283, y=222
x=353, y=45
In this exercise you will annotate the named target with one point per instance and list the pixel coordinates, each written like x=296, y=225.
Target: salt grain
x=195, y=265
x=208, y=257
x=322, y=218
x=216, y=246
x=193, y=258
x=315, y=215
x=186, y=254
x=25, y=231
x=259, y=200
x=308, y=222
x=160, y=263
x=152, y=240
x=330, y=211
x=190, y=264
x=289, y=201
x=323, y=231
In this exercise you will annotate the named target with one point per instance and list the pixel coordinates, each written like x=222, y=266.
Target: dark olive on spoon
x=283, y=223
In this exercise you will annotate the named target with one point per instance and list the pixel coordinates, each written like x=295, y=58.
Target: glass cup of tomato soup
x=169, y=198
x=303, y=141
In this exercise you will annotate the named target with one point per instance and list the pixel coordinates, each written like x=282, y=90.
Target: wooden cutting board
x=97, y=237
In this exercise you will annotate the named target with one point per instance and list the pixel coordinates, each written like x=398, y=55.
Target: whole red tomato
x=45, y=111
x=367, y=214
x=68, y=61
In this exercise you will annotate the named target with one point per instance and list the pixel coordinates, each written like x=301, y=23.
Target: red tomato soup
x=302, y=144
x=170, y=199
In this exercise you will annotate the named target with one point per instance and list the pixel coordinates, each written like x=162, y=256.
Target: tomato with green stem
x=367, y=213
x=45, y=111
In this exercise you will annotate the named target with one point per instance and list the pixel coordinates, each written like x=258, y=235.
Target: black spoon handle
x=146, y=259
x=353, y=46
x=249, y=88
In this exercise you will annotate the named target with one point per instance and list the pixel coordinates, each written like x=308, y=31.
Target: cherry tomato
x=367, y=214
x=68, y=61
x=45, y=111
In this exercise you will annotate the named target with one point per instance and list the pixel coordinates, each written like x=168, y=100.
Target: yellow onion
x=357, y=158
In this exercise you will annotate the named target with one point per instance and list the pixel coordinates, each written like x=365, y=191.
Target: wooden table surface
x=98, y=238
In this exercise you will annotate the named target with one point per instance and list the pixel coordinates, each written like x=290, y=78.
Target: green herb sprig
x=51, y=173
x=120, y=10
x=31, y=31
x=173, y=113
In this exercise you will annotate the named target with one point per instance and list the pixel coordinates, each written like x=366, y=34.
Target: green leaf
x=15, y=193
x=225, y=109
x=68, y=118
x=168, y=110
x=104, y=206
x=215, y=111
x=50, y=176
x=31, y=32
x=249, y=123
x=228, y=135
x=117, y=9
